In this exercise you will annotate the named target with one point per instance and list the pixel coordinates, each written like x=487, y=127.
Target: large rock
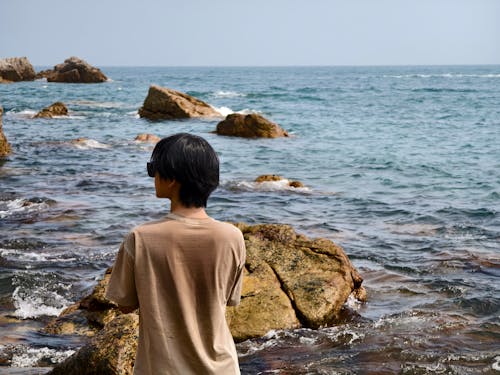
x=276, y=178
x=290, y=281
x=249, y=126
x=74, y=70
x=16, y=69
x=55, y=109
x=4, y=145
x=110, y=352
x=163, y=103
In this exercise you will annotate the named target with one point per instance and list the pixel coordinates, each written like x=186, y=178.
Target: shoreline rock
x=249, y=126
x=73, y=70
x=5, y=148
x=290, y=281
x=163, y=103
x=15, y=69
x=55, y=109
x=148, y=138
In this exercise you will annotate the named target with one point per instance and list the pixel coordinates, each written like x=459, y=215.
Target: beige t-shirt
x=182, y=273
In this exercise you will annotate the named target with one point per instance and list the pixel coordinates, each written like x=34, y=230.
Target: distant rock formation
x=249, y=126
x=73, y=70
x=56, y=109
x=275, y=177
x=15, y=69
x=290, y=281
x=4, y=145
x=163, y=103
x=149, y=138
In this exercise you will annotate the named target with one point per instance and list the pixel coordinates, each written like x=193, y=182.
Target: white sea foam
x=227, y=94
x=224, y=111
x=20, y=205
x=94, y=104
x=444, y=75
x=87, y=144
x=496, y=364
x=35, y=304
x=29, y=357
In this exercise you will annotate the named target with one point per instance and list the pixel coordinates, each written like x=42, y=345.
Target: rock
x=5, y=148
x=110, y=352
x=74, y=70
x=144, y=137
x=16, y=69
x=163, y=103
x=56, y=109
x=290, y=281
x=249, y=126
x=275, y=177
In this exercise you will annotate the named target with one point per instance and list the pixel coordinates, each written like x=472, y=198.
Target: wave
x=444, y=75
x=20, y=206
x=227, y=94
x=225, y=111
x=96, y=104
x=38, y=301
x=24, y=356
x=88, y=144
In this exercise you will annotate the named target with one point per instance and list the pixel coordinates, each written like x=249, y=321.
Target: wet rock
x=16, y=69
x=249, y=126
x=275, y=177
x=150, y=138
x=110, y=352
x=5, y=148
x=290, y=281
x=164, y=103
x=55, y=109
x=74, y=70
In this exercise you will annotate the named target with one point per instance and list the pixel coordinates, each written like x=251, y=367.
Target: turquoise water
x=402, y=169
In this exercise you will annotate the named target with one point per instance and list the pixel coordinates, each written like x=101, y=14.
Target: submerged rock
x=145, y=137
x=5, y=148
x=55, y=109
x=249, y=126
x=290, y=281
x=275, y=177
x=14, y=69
x=166, y=104
x=74, y=70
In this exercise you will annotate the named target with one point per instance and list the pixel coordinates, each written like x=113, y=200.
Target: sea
x=401, y=167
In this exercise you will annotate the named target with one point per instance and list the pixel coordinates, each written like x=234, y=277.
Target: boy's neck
x=190, y=212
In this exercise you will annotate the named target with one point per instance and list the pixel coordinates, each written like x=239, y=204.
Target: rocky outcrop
x=4, y=145
x=148, y=138
x=56, y=109
x=163, y=103
x=249, y=126
x=290, y=281
x=275, y=177
x=110, y=352
x=16, y=69
x=74, y=70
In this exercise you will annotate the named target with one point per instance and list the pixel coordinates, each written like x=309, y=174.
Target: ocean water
x=401, y=167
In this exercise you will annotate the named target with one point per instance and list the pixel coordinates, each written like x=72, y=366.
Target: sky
x=252, y=32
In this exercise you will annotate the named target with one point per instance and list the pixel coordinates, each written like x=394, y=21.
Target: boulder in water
x=275, y=178
x=149, y=138
x=5, y=148
x=74, y=70
x=163, y=103
x=14, y=69
x=249, y=126
x=55, y=109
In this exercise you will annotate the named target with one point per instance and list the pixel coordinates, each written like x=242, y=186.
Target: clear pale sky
x=252, y=32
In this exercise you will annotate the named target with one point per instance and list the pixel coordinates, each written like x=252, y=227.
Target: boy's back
x=182, y=272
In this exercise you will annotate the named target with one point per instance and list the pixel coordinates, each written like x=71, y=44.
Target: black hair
x=191, y=161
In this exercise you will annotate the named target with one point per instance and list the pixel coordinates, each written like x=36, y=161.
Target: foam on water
x=88, y=144
x=20, y=206
x=23, y=356
x=271, y=186
x=227, y=94
x=225, y=111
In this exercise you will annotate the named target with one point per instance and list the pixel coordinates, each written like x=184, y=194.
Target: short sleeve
x=235, y=296
x=121, y=287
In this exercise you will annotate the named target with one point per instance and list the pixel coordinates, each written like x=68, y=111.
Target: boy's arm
x=235, y=296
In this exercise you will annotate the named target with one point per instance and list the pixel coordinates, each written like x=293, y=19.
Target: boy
x=183, y=270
